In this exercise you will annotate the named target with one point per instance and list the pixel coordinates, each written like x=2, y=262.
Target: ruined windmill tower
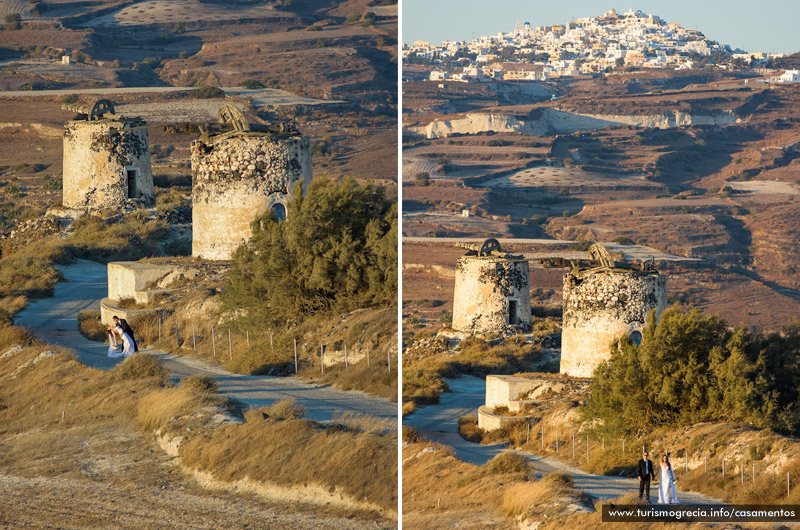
x=603, y=300
x=492, y=290
x=106, y=159
x=239, y=171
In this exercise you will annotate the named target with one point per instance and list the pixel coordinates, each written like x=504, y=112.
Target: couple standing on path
x=666, y=479
x=122, y=330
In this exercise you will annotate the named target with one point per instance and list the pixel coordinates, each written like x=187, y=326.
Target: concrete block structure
x=492, y=291
x=601, y=306
x=106, y=160
x=132, y=280
x=238, y=177
x=514, y=393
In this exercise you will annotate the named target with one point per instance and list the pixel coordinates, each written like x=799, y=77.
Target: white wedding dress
x=127, y=342
x=666, y=486
x=113, y=351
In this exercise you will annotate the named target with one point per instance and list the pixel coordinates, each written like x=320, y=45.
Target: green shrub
x=207, y=92
x=336, y=251
x=690, y=369
x=251, y=83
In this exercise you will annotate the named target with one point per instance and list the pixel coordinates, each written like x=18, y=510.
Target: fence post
x=177, y=335
x=247, y=334
x=587, y=447
x=230, y=346
x=705, y=463
x=321, y=359
x=528, y=433
x=686, y=460
x=604, y=443
x=573, y=446
x=389, y=359
x=367, y=355
x=754, y=473
x=295, y=356
x=623, y=447
x=542, y=436
x=556, y=440
x=213, y=342
x=345, y=357
x=270, y=339
x=742, y=469
x=723, y=468
x=194, y=338
x=159, y=327
x=788, y=484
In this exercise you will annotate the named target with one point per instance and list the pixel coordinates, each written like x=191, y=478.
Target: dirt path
x=54, y=320
x=439, y=423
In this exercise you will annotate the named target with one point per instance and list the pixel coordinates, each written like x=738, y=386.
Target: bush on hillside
x=336, y=251
x=691, y=369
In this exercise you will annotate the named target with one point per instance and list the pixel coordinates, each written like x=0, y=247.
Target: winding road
x=54, y=320
x=439, y=423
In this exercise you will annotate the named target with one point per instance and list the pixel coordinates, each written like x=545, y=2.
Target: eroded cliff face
x=237, y=179
x=106, y=164
x=599, y=308
x=553, y=121
x=492, y=294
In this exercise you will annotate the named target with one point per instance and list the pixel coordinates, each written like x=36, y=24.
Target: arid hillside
x=699, y=163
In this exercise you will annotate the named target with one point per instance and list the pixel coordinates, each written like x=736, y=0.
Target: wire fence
x=224, y=343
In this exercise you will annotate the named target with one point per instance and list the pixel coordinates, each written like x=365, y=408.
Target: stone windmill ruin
x=492, y=291
x=106, y=159
x=605, y=297
x=240, y=170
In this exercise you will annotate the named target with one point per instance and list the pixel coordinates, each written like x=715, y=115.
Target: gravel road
x=439, y=423
x=54, y=320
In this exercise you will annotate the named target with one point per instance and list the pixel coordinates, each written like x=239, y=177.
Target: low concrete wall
x=108, y=309
x=488, y=421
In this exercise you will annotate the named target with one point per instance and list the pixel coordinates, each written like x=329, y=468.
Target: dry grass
x=141, y=366
x=441, y=491
x=30, y=272
x=298, y=451
x=522, y=498
x=423, y=377
x=90, y=326
x=506, y=463
x=365, y=423
x=200, y=384
x=285, y=409
x=158, y=409
x=376, y=378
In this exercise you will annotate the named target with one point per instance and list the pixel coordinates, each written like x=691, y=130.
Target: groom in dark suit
x=646, y=472
x=127, y=329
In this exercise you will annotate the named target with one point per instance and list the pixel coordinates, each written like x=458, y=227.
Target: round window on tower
x=636, y=337
x=278, y=212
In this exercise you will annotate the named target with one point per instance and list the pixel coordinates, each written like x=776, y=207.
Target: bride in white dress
x=127, y=343
x=666, y=483
x=113, y=350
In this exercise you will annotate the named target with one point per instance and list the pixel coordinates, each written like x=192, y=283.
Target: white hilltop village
x=584, y=46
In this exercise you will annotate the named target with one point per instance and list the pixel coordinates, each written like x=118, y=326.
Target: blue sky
x=765, y=25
